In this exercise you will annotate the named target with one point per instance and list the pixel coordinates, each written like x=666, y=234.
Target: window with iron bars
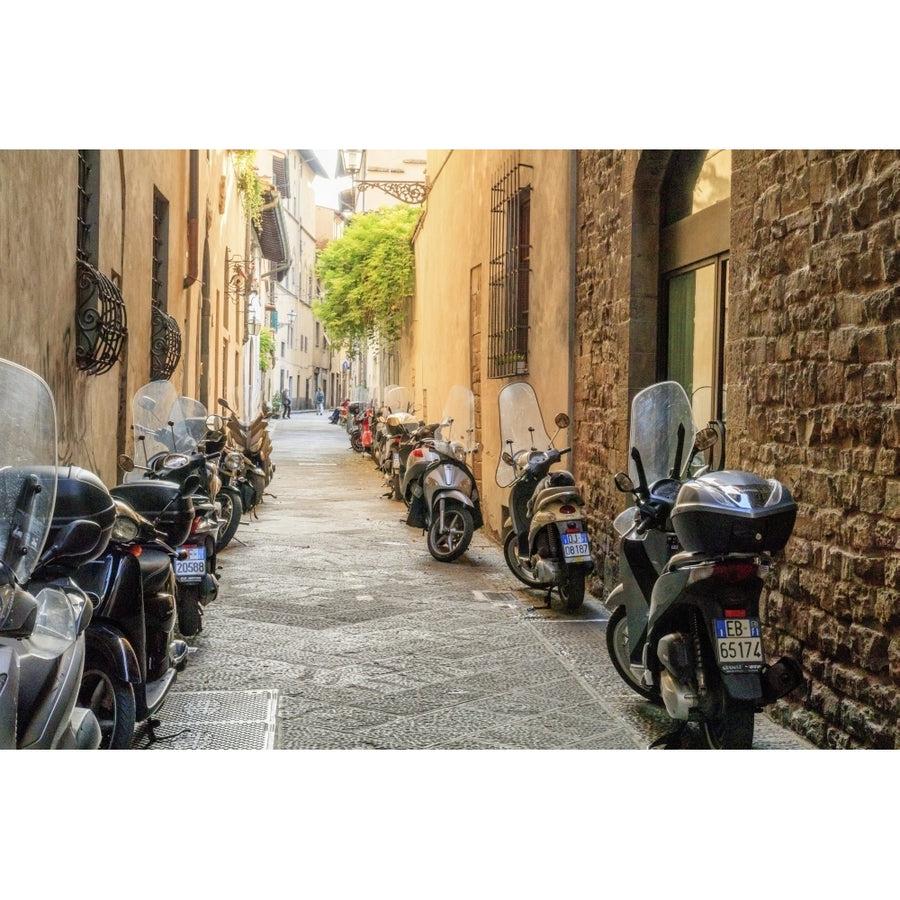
x=510, y=271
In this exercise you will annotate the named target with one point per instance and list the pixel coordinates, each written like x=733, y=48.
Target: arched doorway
x=681, y=218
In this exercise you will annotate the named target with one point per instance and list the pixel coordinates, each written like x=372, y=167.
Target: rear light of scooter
x=733, y=573
x=568, y=510
x=135, y=550
x=195, y=525
x=418, y=453
x=728, y=572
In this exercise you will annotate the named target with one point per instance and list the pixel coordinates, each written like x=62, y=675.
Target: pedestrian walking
x=285, y=404
x=320, y=402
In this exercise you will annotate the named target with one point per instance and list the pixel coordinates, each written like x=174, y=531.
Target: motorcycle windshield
x=656, y=414
x=151, y=409
x=398, y=399
x=458, y=419
x=27, y=467
x=521, y=427
x=189, y=418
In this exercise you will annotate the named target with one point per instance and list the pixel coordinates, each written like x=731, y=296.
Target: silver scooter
x=42, y=647
x=695, y=549
x=439, y=485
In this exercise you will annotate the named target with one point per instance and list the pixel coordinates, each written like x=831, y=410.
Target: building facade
x=767, y=283
x=494, y=293
x=121, y=266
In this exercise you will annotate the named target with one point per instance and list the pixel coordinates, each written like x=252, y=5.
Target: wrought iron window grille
x=510, y=271
x=165, y=344
x=100, y=318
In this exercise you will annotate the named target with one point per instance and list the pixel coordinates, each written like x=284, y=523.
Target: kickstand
x=153, y=737
x=670, y=741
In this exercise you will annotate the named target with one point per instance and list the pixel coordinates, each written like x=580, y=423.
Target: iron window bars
x=510, y=271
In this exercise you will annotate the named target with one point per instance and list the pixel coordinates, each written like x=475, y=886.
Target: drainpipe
x=573, y=256
x=193, y=250
x=193, y=228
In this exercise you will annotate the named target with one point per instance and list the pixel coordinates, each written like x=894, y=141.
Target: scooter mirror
x=624, y=483
x=126, y=463
x=224, y=403
x=706, y=438
x=561, y=420
x=506, y=456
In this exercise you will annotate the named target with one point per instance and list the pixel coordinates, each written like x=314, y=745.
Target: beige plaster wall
x=445, y=341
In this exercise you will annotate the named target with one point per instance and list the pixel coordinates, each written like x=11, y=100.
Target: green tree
x=367, y=276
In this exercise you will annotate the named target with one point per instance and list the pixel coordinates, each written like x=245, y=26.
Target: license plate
x=575, y=547
x=193, y=567
x=738, y=644
x=396, y=460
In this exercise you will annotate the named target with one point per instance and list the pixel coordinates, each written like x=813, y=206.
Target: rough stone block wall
x=812, y=371
x=811, y=375
x=603, y=266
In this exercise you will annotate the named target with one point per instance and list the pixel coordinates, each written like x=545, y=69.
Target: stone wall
x=601, y=402
x=811, y=362
x=811, y=378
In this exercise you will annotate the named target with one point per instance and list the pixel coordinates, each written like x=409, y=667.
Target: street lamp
x=405, y=191
x=254, y=323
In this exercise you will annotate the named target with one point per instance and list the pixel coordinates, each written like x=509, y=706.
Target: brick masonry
x=811, y=370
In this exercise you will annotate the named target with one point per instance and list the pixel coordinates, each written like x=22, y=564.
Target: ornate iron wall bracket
x=165, y=345
x=407, y=191
x=100, y=321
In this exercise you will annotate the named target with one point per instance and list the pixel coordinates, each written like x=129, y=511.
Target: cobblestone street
x=332, y=614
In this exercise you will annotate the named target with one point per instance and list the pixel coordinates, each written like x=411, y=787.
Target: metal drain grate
x=497, y=596
x=214, y=720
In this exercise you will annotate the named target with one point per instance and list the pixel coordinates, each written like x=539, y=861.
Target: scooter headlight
x=124, y=529
x=175, y=461
x=233, y=462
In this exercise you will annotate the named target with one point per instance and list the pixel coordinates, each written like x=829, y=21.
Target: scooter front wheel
x=112, y=702
x=617, y=645
x=522, y=572
x=452, y=540
x=232, y=511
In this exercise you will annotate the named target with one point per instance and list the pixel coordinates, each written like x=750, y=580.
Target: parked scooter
x=247, y=457
x=396, y=425
x=169, y=430
x=695, y=550
x=438, y=484
x=42, y=644
x=133, y=655
x=547, y=545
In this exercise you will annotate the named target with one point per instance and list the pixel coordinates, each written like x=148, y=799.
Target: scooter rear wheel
x=571, y=588
x=617, y=646
x=732, y=728
x=190, y=615
x=515, y=566
x=112, y=702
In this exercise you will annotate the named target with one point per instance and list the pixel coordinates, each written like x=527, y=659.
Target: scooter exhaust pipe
x=779, y=679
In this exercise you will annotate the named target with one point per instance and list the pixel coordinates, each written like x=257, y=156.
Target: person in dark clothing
x=285, y=404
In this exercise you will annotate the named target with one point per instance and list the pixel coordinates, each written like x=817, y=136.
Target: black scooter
x=133, y=655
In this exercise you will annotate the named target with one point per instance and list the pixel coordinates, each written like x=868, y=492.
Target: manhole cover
x=213, y=720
